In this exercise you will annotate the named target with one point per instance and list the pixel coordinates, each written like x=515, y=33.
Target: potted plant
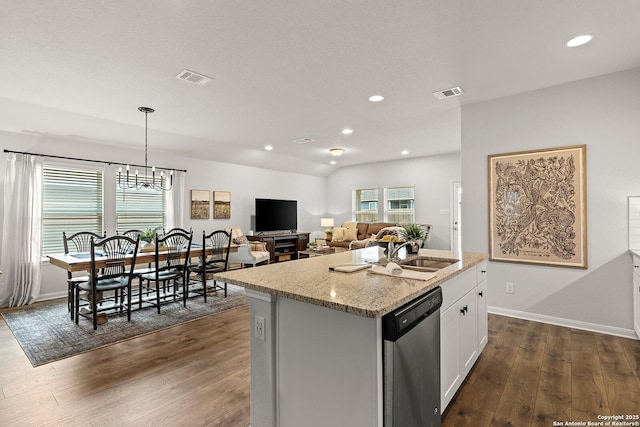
x=328, y=233
x=415, y=234
x=148, y=238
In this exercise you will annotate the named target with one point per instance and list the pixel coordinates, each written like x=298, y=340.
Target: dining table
x=82, y=261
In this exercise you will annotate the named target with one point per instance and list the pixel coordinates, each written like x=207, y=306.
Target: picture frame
x=200, y=204
x=221, y=205
x=538, y=207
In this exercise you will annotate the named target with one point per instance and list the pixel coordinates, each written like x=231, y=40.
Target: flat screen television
x=276, y=215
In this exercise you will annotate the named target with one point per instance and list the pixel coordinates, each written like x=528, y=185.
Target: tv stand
x=282, y=245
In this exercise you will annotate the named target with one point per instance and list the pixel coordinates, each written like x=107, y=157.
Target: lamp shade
x=326, y=222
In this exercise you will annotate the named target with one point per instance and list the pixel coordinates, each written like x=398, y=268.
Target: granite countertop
x=362, y=293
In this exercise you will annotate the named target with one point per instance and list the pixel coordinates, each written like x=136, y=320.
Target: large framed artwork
x=221, y=205
x=538, y=207
x=200, y=204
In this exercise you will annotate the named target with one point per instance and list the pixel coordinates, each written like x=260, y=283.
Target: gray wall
x=432, y=176
x=604, y=114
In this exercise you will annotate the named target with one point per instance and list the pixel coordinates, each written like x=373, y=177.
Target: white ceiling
x=284, y=70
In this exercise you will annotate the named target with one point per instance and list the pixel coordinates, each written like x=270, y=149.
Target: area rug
x=46, y=333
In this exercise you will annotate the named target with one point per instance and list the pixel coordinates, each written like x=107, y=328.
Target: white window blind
x=72, y=202
x=139, y=209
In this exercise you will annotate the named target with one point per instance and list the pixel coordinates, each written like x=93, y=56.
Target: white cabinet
x=463, y=328
x=636, y=294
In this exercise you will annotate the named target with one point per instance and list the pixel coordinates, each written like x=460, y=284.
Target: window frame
x=47, y=243
x=357, y=212
x=411, y=211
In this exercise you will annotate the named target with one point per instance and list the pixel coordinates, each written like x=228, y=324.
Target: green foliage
x=413, y=232
x=149, y=235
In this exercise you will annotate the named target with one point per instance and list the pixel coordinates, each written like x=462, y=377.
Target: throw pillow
x=338, y=234
x=350, y=234
x=350, y=224
x=242, y=240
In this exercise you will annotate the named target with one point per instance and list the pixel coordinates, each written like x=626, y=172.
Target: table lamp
x=326, y=222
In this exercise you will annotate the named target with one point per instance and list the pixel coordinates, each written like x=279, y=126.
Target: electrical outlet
x=258, y=327
x=510, y=288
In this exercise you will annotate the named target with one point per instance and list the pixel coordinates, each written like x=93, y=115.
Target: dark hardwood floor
x=530, y=374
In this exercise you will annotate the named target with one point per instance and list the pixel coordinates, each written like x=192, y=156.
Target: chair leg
x=76, y=298
x=185, y=288
x=204, y=284
x=129, y=302
x=94, y=308
x=140, y=292
x=70, y=297
x=158, y=295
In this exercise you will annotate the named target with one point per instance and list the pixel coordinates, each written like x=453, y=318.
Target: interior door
x=456, y=215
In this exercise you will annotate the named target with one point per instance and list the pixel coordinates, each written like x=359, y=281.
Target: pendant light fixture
x=147, y=182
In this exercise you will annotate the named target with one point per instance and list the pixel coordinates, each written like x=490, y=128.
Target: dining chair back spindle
x=115, y=274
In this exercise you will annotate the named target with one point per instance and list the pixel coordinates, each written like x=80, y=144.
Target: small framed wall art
x=221, y=205
x=538, y=207
x=200, y=204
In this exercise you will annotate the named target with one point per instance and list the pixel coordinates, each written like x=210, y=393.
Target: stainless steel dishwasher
x=411, y=361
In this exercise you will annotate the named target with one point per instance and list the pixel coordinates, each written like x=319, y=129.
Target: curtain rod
x=88, y=160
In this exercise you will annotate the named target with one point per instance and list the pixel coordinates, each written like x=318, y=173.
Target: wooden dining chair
x=79, y=243
x=218, y=245
x=114, y=274
x=167, y=275
x=134, y=233
x=182, y=230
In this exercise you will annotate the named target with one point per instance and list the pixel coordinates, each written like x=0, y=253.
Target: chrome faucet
x=392, y=250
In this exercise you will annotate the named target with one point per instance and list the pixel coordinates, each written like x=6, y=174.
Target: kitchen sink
x=426, y=263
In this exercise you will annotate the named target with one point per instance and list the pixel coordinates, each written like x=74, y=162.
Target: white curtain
x=175, y=202
x=21, y=255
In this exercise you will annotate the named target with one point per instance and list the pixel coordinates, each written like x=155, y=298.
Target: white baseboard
x=52, y=295
x=567, y=323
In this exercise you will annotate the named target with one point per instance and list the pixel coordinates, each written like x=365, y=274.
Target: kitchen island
x=316, y=334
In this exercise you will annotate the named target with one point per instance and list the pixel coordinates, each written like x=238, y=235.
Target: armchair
x=253, y=253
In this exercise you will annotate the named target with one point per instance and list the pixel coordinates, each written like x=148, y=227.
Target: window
x=72, y=202
x=366, y=205
x=139, y=209
x=399, y=206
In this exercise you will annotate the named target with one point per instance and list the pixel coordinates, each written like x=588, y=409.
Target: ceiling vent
x=303, y=140
x=195, y=78
x=448, y=93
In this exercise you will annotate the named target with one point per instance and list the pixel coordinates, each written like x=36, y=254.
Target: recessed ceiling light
x=268, y=147
x=333, y=162
x=347, y=131
x=404, y=152
x=376, y=98
x=579, y=40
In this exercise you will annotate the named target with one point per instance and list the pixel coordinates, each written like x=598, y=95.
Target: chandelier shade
x=139, y=182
